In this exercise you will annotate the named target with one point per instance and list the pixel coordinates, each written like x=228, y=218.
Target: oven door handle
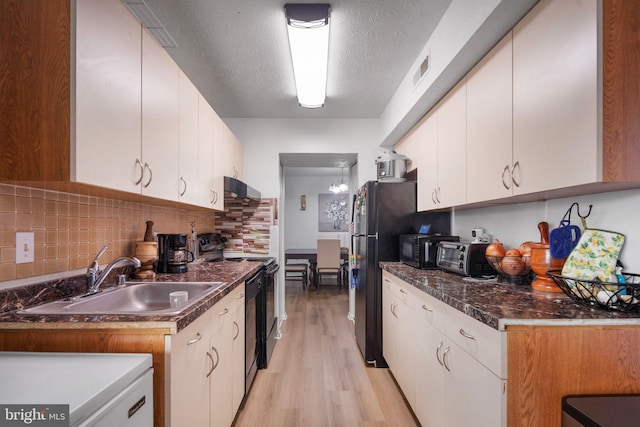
x=272, y=269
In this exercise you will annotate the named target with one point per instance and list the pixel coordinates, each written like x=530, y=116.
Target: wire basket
x=611, y=295
x=513, y=269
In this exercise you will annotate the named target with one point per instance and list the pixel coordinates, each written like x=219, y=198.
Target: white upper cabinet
x=188, y=173
x=160, y=121
x=232, y=154
x=410, y=147
x=442, y=173
x=219, y=156
x=555, y=96
x=546, y=115
x=452, y=147
x=489, y=125
x=206, y=195
x=108, y=96
x=210, y=190
x=427, y=162
x=141, y=125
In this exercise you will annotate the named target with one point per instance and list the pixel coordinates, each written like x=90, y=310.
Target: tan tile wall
x=70, y=229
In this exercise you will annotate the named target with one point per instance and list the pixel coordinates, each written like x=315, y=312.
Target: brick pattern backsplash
x=69, y=229
x=247, y=225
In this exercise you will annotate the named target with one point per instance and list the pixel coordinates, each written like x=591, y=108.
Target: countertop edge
x=170, y=324
x=501, y=305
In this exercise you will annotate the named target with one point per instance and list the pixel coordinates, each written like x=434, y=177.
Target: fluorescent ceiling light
x=308, y=29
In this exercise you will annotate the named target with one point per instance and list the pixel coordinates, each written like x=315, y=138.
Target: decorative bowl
x=513, y=269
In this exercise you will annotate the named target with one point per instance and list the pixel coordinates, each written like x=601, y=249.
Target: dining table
x=311, y=255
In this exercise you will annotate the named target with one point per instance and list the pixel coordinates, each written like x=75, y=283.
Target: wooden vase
x=147, y=253
x=541, y=262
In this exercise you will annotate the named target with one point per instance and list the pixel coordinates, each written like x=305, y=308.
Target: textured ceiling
x=235, y=52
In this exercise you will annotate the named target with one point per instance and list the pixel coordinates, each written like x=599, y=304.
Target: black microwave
x=420, y=250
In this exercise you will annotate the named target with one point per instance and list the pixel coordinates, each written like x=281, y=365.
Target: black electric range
x=261, y=322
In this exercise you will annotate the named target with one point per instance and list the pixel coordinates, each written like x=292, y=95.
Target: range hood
x=236, y=189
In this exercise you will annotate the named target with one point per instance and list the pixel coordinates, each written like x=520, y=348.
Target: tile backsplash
x=69, y=229
x=247, y=225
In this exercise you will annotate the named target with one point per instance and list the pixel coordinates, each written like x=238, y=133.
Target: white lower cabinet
x=205, y=377
x=188, y=380
x=221, y=383
x=450, y=367
x=475, y=396
x=389, y=325
x=238, y=343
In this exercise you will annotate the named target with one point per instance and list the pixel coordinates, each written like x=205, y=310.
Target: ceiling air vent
x=423, y=69
x=141, y=11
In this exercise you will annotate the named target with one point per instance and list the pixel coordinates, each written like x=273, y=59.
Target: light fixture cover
x=308, y=30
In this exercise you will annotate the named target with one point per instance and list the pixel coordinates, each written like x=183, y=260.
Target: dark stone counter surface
x=500, y=304
x=12, y=300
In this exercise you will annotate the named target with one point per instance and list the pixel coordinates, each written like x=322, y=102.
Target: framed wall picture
x=333, y=212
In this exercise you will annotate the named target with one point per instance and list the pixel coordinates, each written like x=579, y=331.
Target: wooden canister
x=147, y=253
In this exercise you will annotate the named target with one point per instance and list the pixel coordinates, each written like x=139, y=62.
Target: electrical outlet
x=24, y=247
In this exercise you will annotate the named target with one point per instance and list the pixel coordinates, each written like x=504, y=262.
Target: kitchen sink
x=135, y=298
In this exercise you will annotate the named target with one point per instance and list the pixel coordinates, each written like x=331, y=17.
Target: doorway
x=305, y=180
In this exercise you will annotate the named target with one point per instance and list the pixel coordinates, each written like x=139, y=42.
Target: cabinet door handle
x=504, y=183
x=403, y=291
x=466, y=334
x=214, y=196
x=438, y=194
x=222, y=313
x=240, y=296
x=516, y=165
x=438, y=353
x=235, y=324
x=212, y=364
x=235, y=172
x=195, y=340
x=146, y=166
x=433, y=197
x=445, y=359
x=185, y=186
x=425, y=308
x=138, y=163
x=215, y=365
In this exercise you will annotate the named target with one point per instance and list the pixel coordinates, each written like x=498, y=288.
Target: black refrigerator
x=381, y=212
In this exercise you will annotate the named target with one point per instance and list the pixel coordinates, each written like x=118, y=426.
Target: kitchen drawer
x=221, y=312
x=195, y=331
x=400, y=289
x=237, y=298
x=430, y=310
x=485, y=344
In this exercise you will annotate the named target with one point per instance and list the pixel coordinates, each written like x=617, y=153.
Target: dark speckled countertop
x=233, y=273
x=501, y=305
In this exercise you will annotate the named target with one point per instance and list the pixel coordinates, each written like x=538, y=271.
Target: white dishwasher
x=101, y=389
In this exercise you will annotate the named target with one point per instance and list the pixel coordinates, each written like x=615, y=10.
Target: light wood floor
x=317, y=377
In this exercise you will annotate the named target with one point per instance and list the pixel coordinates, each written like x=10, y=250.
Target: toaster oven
x=464, y=258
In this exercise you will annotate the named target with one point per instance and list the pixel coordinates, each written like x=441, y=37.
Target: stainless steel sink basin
x=136, y=298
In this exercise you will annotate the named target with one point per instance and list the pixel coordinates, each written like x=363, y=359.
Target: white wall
x=514, y=224
x=301, y=229
x=264, y=139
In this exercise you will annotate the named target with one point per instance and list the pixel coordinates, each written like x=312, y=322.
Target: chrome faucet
x=95, y=277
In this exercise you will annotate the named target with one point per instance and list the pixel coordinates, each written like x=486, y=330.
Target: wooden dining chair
x=328, y=260
x=296, y=272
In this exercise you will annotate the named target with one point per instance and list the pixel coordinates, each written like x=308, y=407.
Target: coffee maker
x=172, y=253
